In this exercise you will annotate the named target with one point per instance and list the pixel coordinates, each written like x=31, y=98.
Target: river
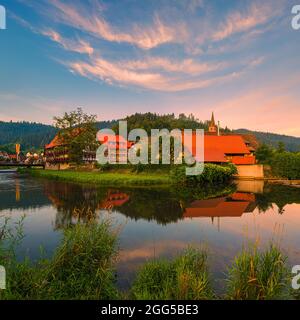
x=155, y=222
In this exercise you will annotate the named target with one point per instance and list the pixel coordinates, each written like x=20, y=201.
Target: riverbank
x=105, y=179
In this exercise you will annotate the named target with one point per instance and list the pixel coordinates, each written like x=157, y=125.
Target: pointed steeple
x=212, y=121
x=212, y=125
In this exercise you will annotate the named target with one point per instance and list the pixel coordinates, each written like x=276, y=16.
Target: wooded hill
x=33, y=136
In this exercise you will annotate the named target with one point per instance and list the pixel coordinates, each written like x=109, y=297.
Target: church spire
x=212, y=121
x=212, y=125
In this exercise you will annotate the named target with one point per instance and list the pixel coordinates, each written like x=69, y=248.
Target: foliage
x=264, y=154
x=82, y=268
x=77, y=131
x=186, y=277
x=286, y=165
x=258, y=275
x=31, y=135
x=212, y=174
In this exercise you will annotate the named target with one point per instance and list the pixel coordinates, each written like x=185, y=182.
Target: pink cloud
x=143, y=37
x=237, y=22
x=80, y=46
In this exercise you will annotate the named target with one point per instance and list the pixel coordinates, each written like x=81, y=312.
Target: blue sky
x=237, y=58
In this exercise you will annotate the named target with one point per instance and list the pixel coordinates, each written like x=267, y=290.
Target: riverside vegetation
x=83, y=267
x=141, y=175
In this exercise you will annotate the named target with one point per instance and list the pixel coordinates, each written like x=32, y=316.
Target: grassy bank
x=81, y=268
x=105, y=179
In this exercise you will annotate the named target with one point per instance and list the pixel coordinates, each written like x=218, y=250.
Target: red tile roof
x=216, y=148
x=118, y=139
x=214, y=155
x=59, y=141
x=228, y=144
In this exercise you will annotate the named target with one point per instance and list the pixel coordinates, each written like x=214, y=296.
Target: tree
x=264, y=153
x=78, y=132
x=280, y=147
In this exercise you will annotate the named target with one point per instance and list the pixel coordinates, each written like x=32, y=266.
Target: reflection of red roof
x=216, y=208
x=226, y=209
x=114, y=200
x=241, y=196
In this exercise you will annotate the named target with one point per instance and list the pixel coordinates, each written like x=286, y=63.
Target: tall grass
x=81, y=268
x=258, y=275
x=186, y=277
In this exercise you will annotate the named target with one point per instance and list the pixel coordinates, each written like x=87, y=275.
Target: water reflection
x=80, y=203
x=157, y=222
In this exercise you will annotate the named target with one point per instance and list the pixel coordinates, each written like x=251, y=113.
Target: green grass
x=81, y=268
x=106, y=179
x=258, y=275
x=186, y=277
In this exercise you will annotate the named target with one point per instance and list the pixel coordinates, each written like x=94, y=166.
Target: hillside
x=272, y=139
x=30, y=135
x=33, y=135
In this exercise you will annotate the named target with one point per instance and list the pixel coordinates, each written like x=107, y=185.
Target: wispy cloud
x=237, y=22
x=146, y=68
x=79, y=45
x=122, y=74
x=89, y=19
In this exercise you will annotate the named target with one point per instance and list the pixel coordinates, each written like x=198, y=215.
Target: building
x=57, y=152
x=117, y=147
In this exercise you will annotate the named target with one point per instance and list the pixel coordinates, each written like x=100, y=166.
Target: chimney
x=218, y=128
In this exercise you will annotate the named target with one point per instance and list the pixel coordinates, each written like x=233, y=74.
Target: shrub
x=212, y=174
x=286, y=165
x=258, y=275
x=186, y=277
x=82, y=268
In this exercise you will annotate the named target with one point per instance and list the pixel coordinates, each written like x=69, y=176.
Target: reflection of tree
x=79, y=203
x=279, y=195
x=75, y=203
x=150, y=204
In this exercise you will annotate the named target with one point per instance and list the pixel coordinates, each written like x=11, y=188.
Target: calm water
x=156, y=223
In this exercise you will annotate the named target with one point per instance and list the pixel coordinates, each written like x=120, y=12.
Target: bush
x=286, y=165
x=82, y=268
x=212, y=174
x=258, y=275
x=186, y=277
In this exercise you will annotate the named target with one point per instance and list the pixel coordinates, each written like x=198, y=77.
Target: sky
x=113, y=58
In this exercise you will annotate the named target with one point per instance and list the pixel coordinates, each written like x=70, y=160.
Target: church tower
x=212, y=129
